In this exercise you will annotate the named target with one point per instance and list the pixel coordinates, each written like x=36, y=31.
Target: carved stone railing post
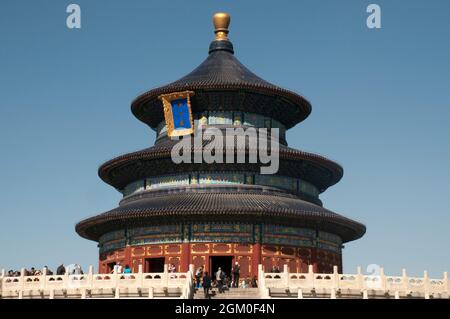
x=365, y=294
x=333, y=293
x=405, y=281
x=66, y=283
x=262, y=282
x=116, y=281
x=426, y=285
x=91, y=277
x=189, y=289
x=383, y=282
x=140, y=276
x=310, y=277
x=446, y=283
x=2, y=275
x=22, y=282
x=43, y=279
x=335, y=277
x=150, y=293
x=166, y=276
x=360, y=279
x=286, y=276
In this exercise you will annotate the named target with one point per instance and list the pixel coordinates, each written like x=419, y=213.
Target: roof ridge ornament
x=221, y=21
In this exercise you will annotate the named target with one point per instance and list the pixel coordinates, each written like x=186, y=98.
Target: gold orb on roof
x=221, y=22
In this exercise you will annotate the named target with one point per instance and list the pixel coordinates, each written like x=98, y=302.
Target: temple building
x=214, y=214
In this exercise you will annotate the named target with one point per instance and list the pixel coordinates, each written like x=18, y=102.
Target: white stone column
x=140, y=275
x=310, y=276
x=300, y=293
x=446, y=283
x=150, y=293
x=383, y=282
x=66, y=281
x=166, y=276
x=116, y=277
x=260, y=268
x=261, y=280
x=333, y=293
x=405, y=281
x=191, y=274
x=336, y=276
x=43, y=279
x=360, y=279
x=22, y=282
x=90, y=277
x=191, y=283
x=1, y=282
x=426, y=284
x=285, y=276
x=365, y=294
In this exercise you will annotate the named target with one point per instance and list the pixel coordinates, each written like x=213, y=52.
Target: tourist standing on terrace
x=198, y=276
x=206, y=284
x=236, y=273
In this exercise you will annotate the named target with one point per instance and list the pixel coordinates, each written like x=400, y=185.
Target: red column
x=127, y=259
x=256, y=258
x=207, y=263
x=185, y=257
x=314, y=261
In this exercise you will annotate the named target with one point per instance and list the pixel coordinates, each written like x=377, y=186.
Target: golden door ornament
x=184, y=98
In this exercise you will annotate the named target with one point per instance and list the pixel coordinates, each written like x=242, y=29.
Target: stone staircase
x=232, y=293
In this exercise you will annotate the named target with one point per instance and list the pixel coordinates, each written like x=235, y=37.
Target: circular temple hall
x=214, y=214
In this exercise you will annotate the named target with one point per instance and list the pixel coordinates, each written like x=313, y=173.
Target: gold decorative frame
x=167, y=99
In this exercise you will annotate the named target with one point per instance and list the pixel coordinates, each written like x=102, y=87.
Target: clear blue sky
x=381, y=108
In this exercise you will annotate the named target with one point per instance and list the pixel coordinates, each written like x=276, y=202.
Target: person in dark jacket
x=236, y=272
x=220, y=280
x=254, y=283
x=198, y=276
x=206, y=284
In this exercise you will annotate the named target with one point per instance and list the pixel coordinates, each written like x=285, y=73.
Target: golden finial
x=221, y=22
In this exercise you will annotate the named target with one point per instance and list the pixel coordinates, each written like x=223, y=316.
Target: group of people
x=61, y=270
x=119, y=269
x=221, y=280
x=127, y=269
x=29, y=272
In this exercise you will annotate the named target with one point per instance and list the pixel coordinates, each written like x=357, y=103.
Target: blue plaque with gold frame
x=178, y=113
